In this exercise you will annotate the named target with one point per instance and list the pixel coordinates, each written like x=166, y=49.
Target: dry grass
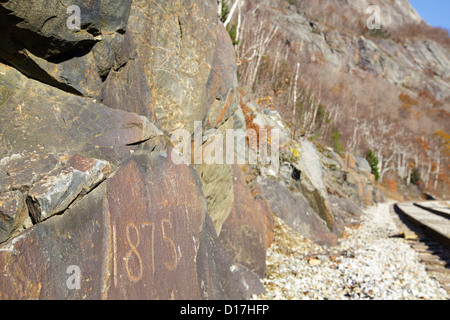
x=421, y=31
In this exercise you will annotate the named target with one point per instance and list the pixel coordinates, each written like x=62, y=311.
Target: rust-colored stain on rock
x=154, y=242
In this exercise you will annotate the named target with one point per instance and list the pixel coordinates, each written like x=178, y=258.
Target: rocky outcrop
x=219, y=278
x=316, y=192
x=41, y=43
x=87, y=182
x=405, y=64
x=54, y=192
x=13, y=213
x=243, y=233
x=350, y=177
x=295, y=211
x=176, y=42
x=92, y=205
x=38, y=118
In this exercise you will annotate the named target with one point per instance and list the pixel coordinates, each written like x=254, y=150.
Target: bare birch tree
x=231, y=13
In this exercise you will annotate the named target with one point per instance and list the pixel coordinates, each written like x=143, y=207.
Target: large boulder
x=176, y=42
x=243, y=233
x=219, y=277
x=38, y=118
x=222, y=81
x=138, y=235
x=54, y=192
x=311, y=181
x=39, y=41
x=91, y=205
x=347, y=213
x=296, y=212
x=13, y=213
x=126, y=87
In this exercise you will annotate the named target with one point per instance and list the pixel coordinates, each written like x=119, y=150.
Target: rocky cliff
x=331, y=77
x=87, y=178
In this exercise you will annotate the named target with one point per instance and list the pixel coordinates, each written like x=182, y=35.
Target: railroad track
x=426, y=226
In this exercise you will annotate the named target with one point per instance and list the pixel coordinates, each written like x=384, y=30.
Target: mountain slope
x=336, y=80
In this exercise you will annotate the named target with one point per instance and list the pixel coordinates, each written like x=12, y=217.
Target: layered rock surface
x=86, y=175
x=404, y=64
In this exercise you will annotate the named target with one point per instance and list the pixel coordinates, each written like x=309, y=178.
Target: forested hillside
x=380, y=91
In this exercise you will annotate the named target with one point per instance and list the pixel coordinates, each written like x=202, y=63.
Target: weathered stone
x=268, y=120
x=312, y=183
x=217, y=184
x=217, y=179
x=55, y=192
x=148, y=212
x=223, y=70
x=222, y=81
x=36, y=39
x=34, y=110
x=3, y=182
x=349, y=161
x=136, y=236
x=22, y=171
x=269, y=222
x=176, y=41
x=77, y=75
x=115, y=15
x=349, y=179
x=126, y=86
x=218, y=276
x=41, y=26
x=362, y=165
x=105, y=52
x=50, y=51
x=346, y=210
x=243, y=233
x=36, y=263
x=13, y=212
x=296, y=212
x=378, y=195
x=360, y=189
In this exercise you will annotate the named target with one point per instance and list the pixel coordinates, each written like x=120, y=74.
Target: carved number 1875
x=136, y=275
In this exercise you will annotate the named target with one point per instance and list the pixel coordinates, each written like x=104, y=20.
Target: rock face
x=136, y=236
x=13, y=213
x=52, y=52
x=295, y=211
x=243, y=233
x=176, y=41
x=312, y=182
x=56, y=191
x=39, y=118
x=155, y=229
x=316, y=192
x=351, y=178
x=92, y=205
x=400, y=64
x=399, y=12
x=217, y=279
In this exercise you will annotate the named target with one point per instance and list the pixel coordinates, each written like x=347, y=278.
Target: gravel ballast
x=368, y=263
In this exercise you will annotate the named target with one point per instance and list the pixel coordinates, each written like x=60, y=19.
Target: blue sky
x=435, y=12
